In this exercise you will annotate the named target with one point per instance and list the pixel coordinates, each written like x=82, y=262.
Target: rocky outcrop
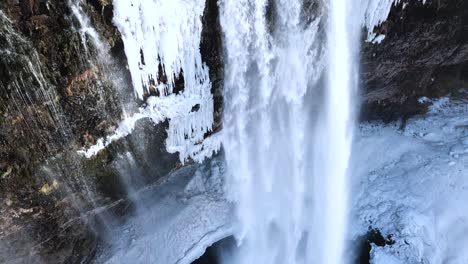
x=50, y=86
x=51, y=96
x=424, y=53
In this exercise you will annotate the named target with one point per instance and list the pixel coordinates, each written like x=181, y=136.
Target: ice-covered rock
x=412, y=189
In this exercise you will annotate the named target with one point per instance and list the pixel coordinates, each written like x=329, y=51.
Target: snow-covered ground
x=412, y=183
x=176, y=221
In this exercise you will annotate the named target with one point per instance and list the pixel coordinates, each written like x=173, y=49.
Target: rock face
x=53, y=95
x=211, y=49
x=58, y=95
x=424, y=53
x=53, y=100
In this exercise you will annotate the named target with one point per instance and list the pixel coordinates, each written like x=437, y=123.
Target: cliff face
x=424, y=53
x=58, y=95
x=55, y=94
x=54, y=99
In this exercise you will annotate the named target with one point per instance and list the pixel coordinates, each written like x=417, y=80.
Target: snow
x=413, y=184
x=382, y=255
x=175, y=221
x=376, y=39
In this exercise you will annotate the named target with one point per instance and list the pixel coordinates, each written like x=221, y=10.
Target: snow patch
x=376, y=39
x=380, y=255
x=176, y=221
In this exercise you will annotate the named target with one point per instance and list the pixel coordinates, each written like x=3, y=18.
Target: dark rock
x=218, y=252
x=211, y=48
x=373, y=237
x=54, y=98
x=425, y=53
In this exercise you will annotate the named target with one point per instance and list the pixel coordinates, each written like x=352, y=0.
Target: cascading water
x=24, y=83
x=288, y=142
x=334, y=135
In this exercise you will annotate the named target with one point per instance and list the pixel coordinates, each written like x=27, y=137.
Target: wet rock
x=365, y=242
x=51, y=94
x=424, y=53
x=211, y=49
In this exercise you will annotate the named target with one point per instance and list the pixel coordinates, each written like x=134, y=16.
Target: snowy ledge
x=178, y=109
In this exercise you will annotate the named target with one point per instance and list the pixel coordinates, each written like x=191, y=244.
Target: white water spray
x=287, y=137
x=334, y=134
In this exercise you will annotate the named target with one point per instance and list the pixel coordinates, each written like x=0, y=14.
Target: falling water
x=24, y=84
x=288, y=130
x=333, y=141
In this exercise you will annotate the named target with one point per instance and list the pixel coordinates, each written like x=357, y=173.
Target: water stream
x=288, y=132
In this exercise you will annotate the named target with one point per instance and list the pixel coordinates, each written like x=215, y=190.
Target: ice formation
x=376, y=12
x=415, y=188
x=158, y=109
x=162, y=40
x=162, y=32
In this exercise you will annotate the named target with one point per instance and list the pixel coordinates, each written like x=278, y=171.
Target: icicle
x=161, y=32
x=167, y=34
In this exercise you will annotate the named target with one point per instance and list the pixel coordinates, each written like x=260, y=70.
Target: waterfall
x=272, y=67
x=86, y=29
x=288, y=126
x=334, y=135
x=290, y=81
